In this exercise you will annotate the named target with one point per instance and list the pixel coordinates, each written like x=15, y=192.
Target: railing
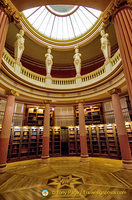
x=68, y=81
x=7, y=57
x=94, y=74
x=116, y=58
x=60, y=83
x=32, y=75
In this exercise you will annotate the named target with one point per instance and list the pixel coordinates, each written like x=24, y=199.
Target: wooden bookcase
x=93, y=115
x=129, y=133
x=56, y=141
x=33, y=136
x=95, y=140
x=35, y=117
x=102, y=141
x=78, y=150
x=16, y=143
x=40, y=134
x=89, y=141
x=51, y=142
x=112, y=142
x=72, y=146
x=24, y=150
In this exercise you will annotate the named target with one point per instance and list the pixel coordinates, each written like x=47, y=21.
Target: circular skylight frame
x=76, y=37
x=61, y=14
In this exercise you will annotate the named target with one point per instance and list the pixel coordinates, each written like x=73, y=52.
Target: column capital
x=112, y=8
x=114, y=91
x=11, y=10
x=80, y=101
x=13, y=92
x=47, y=101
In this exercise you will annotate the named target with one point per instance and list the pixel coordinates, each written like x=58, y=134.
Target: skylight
x=62, y=22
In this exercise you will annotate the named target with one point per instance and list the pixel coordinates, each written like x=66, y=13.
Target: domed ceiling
x=62, y=22
x=83, y=18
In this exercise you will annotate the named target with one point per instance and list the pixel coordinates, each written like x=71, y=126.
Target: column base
x=127, y=164
x=45, y=159
x=3, y=168
x=84, y=158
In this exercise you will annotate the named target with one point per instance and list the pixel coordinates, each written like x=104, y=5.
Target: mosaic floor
x=66, y=178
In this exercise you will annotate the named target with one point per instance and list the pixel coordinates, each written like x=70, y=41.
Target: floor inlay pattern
x=66, y=178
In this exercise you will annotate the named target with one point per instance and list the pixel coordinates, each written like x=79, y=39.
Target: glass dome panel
x=62, y=22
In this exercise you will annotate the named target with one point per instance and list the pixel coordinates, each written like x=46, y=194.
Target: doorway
x=64, y=141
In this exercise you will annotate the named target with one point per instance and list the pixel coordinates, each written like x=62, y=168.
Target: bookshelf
x=35, y=116
x=39, y=141
x=51, y=141
x=72, y=140
x=56, y=141
x=95, y=141
x=24, y=150
x=89, y=141
x=33, y=141
x=16, y=141
x=93, y=115
x=112, y=143
x=102, y=141
x=40, y=117
x=78, y=150
x=129, y=133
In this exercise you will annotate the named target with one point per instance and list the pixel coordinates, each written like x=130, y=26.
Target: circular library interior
x=65, y=99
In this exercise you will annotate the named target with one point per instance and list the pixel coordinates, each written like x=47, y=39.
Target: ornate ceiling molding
x=11, y=10
x=112, y=8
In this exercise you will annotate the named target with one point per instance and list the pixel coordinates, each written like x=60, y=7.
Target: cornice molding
x=112, y=8
x=11, y=10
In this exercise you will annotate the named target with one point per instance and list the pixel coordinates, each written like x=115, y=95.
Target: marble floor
x=66, y=178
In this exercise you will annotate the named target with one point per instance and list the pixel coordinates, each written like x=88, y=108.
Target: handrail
x=60, y=83
x=93, y=74
x=28, y=73
x=116, y=58
x=8, y=58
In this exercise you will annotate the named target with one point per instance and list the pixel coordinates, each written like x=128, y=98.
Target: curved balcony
x=11, y=67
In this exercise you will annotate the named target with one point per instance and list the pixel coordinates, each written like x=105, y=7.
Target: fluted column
x=6, y=129
x=121, y=129
x=120, y=13
x=8, y=13
x=45, y=141
x=82, y=129
x=4, y=23
x=123, y=26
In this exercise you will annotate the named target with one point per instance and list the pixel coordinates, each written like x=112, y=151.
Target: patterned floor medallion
x=65, y=182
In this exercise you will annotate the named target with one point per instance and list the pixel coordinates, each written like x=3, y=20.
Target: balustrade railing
x=62, y=83
x=32, y=75
x=94, y=74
